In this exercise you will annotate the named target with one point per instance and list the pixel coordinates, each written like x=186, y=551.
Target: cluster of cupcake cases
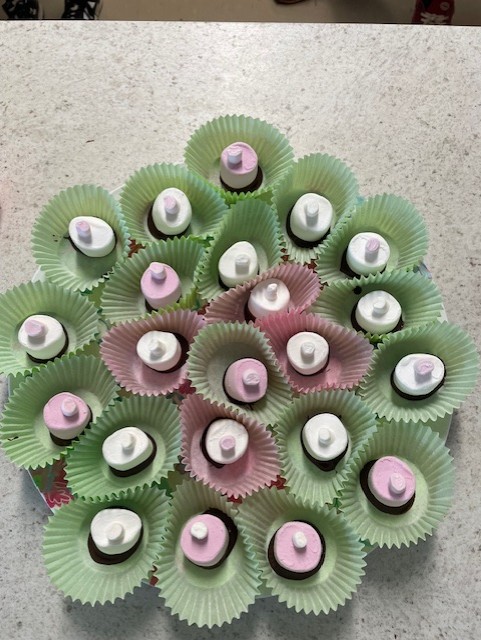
x=234, y=382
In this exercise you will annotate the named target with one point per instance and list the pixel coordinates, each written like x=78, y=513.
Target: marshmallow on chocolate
x=297, y=547
x=307, y=352
x=42, y=337
x=367, y=253
x=160, y=285
x=66, y=415
x=324, y=437
x=171, y=212
x=204, y=540
x=391, y=481
x=115, y=531
x=311, y=217
x=238, y=264
x=92, y=236
x=239, y=165
x=159, y=350
x=226, y=441
x=246, y=380
x=269, y=296
x=418, y=374
x=126, y=448
x=378, y=312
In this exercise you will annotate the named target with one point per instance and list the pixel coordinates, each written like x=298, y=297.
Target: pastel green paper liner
x=392, y=217
x=52, y=249
x=78, y=316
x=142, y=188
x=349, y=353
x=303, y=478
x=441, y=426
x=446, y=341
x=258, y=467
x=122, y=298
x=250, y=220
x=88, y=474
x=119, y=352
x=23, y=434
x=262, y=514
x=316, y=173
x=215, y=348
x=204, y=597
x=430, y=461
x=418, y=296
x=68, y=561
x=230, y=306
x=204, y=148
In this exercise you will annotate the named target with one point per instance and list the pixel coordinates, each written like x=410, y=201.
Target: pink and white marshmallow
x=42, y=337
x=391, y=481
x=172, y=212
x=239, y=165
x=246, y=380
x=66, y=415
x=92, y=236
x=367, y=253
x=418, y=374
x=298, y=547
x=204, y=540
x=226, y=441
x=160, y=285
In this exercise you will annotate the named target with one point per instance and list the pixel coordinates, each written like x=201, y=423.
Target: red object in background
x=433, y=12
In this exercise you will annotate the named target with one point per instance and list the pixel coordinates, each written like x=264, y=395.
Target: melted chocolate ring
x=406, y=396
x=395, y=511
x=293, y=575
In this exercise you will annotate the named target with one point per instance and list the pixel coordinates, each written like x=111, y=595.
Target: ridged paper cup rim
x=258, y=467
x=122, y=298
x=446, y=341
x=303, y=478
x=349, y=353
x=68, y=561
x=394, y=218
x=88, y=474
x=204, y=597
x=118, y=351
x=318, y=173
x=78, y=316
x=23, y=434
x=142, y=188
x=262, y=514
x=302, y=282
x=52, y=249
x=202, y=154
x=419, y=297
x=430, y=461
x=251, y=221
x=219, y=345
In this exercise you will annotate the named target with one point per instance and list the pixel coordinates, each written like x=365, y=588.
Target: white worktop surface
x=91, y=103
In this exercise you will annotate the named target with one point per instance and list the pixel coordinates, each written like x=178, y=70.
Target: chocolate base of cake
x=364, y=481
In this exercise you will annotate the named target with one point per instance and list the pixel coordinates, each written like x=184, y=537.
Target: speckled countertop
x=83, y=103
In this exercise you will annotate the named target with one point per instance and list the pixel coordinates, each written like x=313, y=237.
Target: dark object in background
x=32, y=10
